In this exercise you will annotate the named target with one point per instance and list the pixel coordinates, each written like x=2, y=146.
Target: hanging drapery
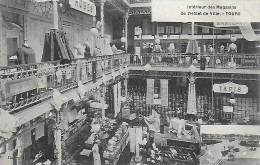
x=132, y=139
x=7, y=124
x=56, y=47
x=192, y=47
x=164, y=92
x=248, y=32
x=191, y=108
x=150, y=91
x=39, y=131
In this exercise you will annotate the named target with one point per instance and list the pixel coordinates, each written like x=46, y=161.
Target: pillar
x=55, y=14
x=125, y=84
x=164, y=91
x=126, y=30
x=102, y=3
x=192, y=30
x=103, y=101
x=57, y=134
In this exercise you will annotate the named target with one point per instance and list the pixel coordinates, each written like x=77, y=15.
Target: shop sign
x=250, y=61
x=229, y=24
x=230, y=87
x=85, y=6
x=228, y=109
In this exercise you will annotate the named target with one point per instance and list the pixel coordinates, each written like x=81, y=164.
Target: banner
x=85, y=6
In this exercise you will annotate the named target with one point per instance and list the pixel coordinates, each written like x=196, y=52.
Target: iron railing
x=24, y=85
x=246, y=61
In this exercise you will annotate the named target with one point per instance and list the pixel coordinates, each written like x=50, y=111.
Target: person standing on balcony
x=26, y=54
x=157, y=48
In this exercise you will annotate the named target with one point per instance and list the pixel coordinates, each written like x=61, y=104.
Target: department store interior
x=97, y=82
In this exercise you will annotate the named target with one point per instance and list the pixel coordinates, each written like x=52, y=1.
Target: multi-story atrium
x=97, y=82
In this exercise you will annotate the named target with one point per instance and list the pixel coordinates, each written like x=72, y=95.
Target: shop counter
x=113, y=151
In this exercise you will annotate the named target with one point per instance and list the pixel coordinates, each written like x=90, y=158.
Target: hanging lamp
x=94, y=30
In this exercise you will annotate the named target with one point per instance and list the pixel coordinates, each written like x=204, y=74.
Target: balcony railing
x=243, y=61
x=24, y=85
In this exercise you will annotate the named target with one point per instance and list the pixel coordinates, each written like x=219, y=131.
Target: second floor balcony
x=217, y=61
x=26, y=85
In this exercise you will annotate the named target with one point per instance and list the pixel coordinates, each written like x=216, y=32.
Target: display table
x=113, y=151
x=85, y=152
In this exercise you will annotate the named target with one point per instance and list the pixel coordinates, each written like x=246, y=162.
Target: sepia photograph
x=129, y=82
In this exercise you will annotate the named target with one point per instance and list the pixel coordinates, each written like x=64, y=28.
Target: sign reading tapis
x=230, y=87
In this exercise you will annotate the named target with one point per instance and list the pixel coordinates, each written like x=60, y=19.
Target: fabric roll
x=56, y=47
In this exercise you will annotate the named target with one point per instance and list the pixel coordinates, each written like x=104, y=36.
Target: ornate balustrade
x=24, y=85
x=245, y=61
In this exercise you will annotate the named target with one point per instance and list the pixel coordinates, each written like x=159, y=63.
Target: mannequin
x=114, y=49
x=171, y=48
x=78, y=51
x=87, y=53
x=26, y=54
x=97, y=51
x=157, y=48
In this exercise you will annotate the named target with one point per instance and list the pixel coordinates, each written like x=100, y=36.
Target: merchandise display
x=110, y=82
